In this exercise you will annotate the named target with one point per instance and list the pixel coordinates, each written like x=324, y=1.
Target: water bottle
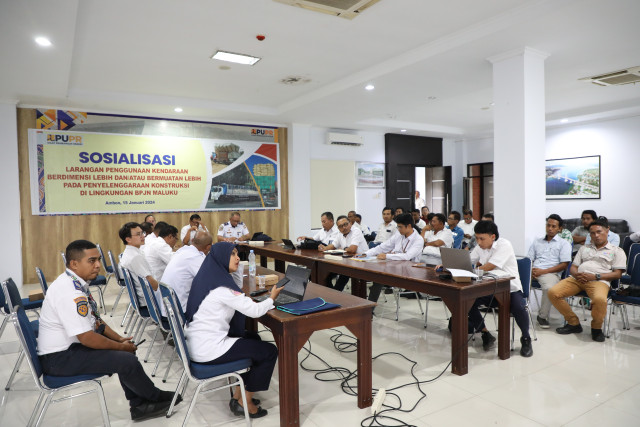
x=252, y=268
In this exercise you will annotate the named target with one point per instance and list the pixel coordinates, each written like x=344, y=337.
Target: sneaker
x=487, y=340
x=149, y=410
x=526, y=350
x=597, y=335
x=543, y=323
x=569, y=329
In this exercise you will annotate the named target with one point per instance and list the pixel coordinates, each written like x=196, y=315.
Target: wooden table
x=307, y=257
x=459, y=297
x=292, y=332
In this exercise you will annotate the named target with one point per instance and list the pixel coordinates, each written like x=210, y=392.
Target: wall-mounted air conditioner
x=343, y=8
x=345, y=139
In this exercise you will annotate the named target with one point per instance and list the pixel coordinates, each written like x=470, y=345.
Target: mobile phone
x=258, y=292
x=139, y=342
x=282, y=282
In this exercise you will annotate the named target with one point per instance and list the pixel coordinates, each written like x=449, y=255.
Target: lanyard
x=85, y=290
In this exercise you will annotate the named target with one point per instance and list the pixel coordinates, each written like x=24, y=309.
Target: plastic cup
x=261, y=281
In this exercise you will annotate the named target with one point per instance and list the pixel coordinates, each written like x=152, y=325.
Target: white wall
x=369, y=202
x=618, y=144
x=452, y=155
x=11, y=249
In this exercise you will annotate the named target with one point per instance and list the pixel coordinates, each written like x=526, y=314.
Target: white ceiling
x=148, y=56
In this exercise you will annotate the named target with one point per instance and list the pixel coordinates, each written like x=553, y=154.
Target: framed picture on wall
x=370, y=175
x=573, y=178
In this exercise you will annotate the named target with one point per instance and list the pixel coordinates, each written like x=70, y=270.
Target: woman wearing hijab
x=216, y=311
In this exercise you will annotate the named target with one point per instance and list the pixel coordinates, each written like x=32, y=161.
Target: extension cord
x=377, y=401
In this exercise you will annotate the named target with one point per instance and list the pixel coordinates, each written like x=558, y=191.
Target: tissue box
x=269, y=279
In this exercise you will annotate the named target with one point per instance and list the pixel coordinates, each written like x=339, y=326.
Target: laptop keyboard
x=285, y=299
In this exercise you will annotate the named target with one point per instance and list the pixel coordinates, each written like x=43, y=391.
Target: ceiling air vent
x=343, y=8
x=346, y=139
x=616, y=78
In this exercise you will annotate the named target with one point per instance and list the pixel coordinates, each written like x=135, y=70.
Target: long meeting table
x=459, y=297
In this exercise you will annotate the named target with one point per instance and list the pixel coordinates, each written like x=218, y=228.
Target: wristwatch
x=597, y=276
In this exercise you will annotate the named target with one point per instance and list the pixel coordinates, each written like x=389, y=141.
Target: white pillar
x=11, y=249
x=519, y=145
x=299, y=180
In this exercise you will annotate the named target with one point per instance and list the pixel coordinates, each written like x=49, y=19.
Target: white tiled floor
x=570, y=380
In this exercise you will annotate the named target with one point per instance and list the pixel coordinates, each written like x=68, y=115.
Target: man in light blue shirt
x=458, y=233
x=550, y=256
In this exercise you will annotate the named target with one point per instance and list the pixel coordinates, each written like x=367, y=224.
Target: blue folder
x=307, y=307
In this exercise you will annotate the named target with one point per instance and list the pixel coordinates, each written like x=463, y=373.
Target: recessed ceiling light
x=369, y=87
x=564, y=120
x=403, y=130
x=236, y=58
x=43, y=41
x=178, y=110
x=492, y=104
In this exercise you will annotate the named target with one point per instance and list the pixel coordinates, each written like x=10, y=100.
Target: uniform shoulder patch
x=82, y=306
x=236, y=293
x=221, y=227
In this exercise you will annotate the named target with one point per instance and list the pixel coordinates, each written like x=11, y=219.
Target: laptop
x=457, y=259
x=288, y=244
x=256, y=235
x=295, y=285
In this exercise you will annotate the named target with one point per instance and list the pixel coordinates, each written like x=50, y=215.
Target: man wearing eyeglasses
x=133, y=258
x=351, y=240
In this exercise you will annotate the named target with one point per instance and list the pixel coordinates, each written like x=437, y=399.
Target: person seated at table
x=434, y=239
x=133, y=258
x=405, y=245
x=216, y=311
x=424, y=211
x=452, y=224
x=351, y=240
x=233, y=230
x=594, y=267
x=417, y=221
x=328, y=233
x=495, y=254
x=386, y=229
x=188, y=232
x=550, y=256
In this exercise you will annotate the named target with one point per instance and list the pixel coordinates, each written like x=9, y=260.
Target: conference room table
x=291, y=332
x=459, y=297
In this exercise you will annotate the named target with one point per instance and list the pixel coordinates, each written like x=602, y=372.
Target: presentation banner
x=94, y=173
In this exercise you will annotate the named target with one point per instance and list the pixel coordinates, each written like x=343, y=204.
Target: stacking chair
x=156, y=317
x=142, y=313
x=117, y=273
x=11, y=301
x=168, y=292
x=99, y=283
x=622, y=301
x=626, y=245
x=202, y=374
x=42, y=280
x=634, y=250
x=107, y=268
x=49, y=384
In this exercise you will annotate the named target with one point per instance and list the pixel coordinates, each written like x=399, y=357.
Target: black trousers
x=263, y=357
x=78, y=360
x=341, y=282
x=518, y=311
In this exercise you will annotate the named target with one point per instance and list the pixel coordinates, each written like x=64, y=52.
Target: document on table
x=461, y=273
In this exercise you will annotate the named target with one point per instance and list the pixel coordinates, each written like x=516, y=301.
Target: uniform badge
x=236, y=293
x=82, y=306
x=221, y=227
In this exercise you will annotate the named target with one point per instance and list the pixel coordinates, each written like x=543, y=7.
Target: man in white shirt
x=419, y=202
x=417, y=221
x=184, y=266
x=133, y=258
x=434, y=239
x=351, y=240
x=233, y=230
x=550, y=256
x=405, y=245
x=328, y=233
x=150, y=219
x=365, y=230
x=188, y=232
x=467, y=226
x=387, y=228
x=159, y=252
x=495, y=254
x=74, y=340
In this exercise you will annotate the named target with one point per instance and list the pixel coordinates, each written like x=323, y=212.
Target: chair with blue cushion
x=107, y=268
x=141, y=312
x=634, y=249
x=626, y=245
x=168, y=292
x=11, y=301
x=49, y=384
x=201, y=373
x=99, y=283
x=156, y=316
x=117, y=273
x=622, y=301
